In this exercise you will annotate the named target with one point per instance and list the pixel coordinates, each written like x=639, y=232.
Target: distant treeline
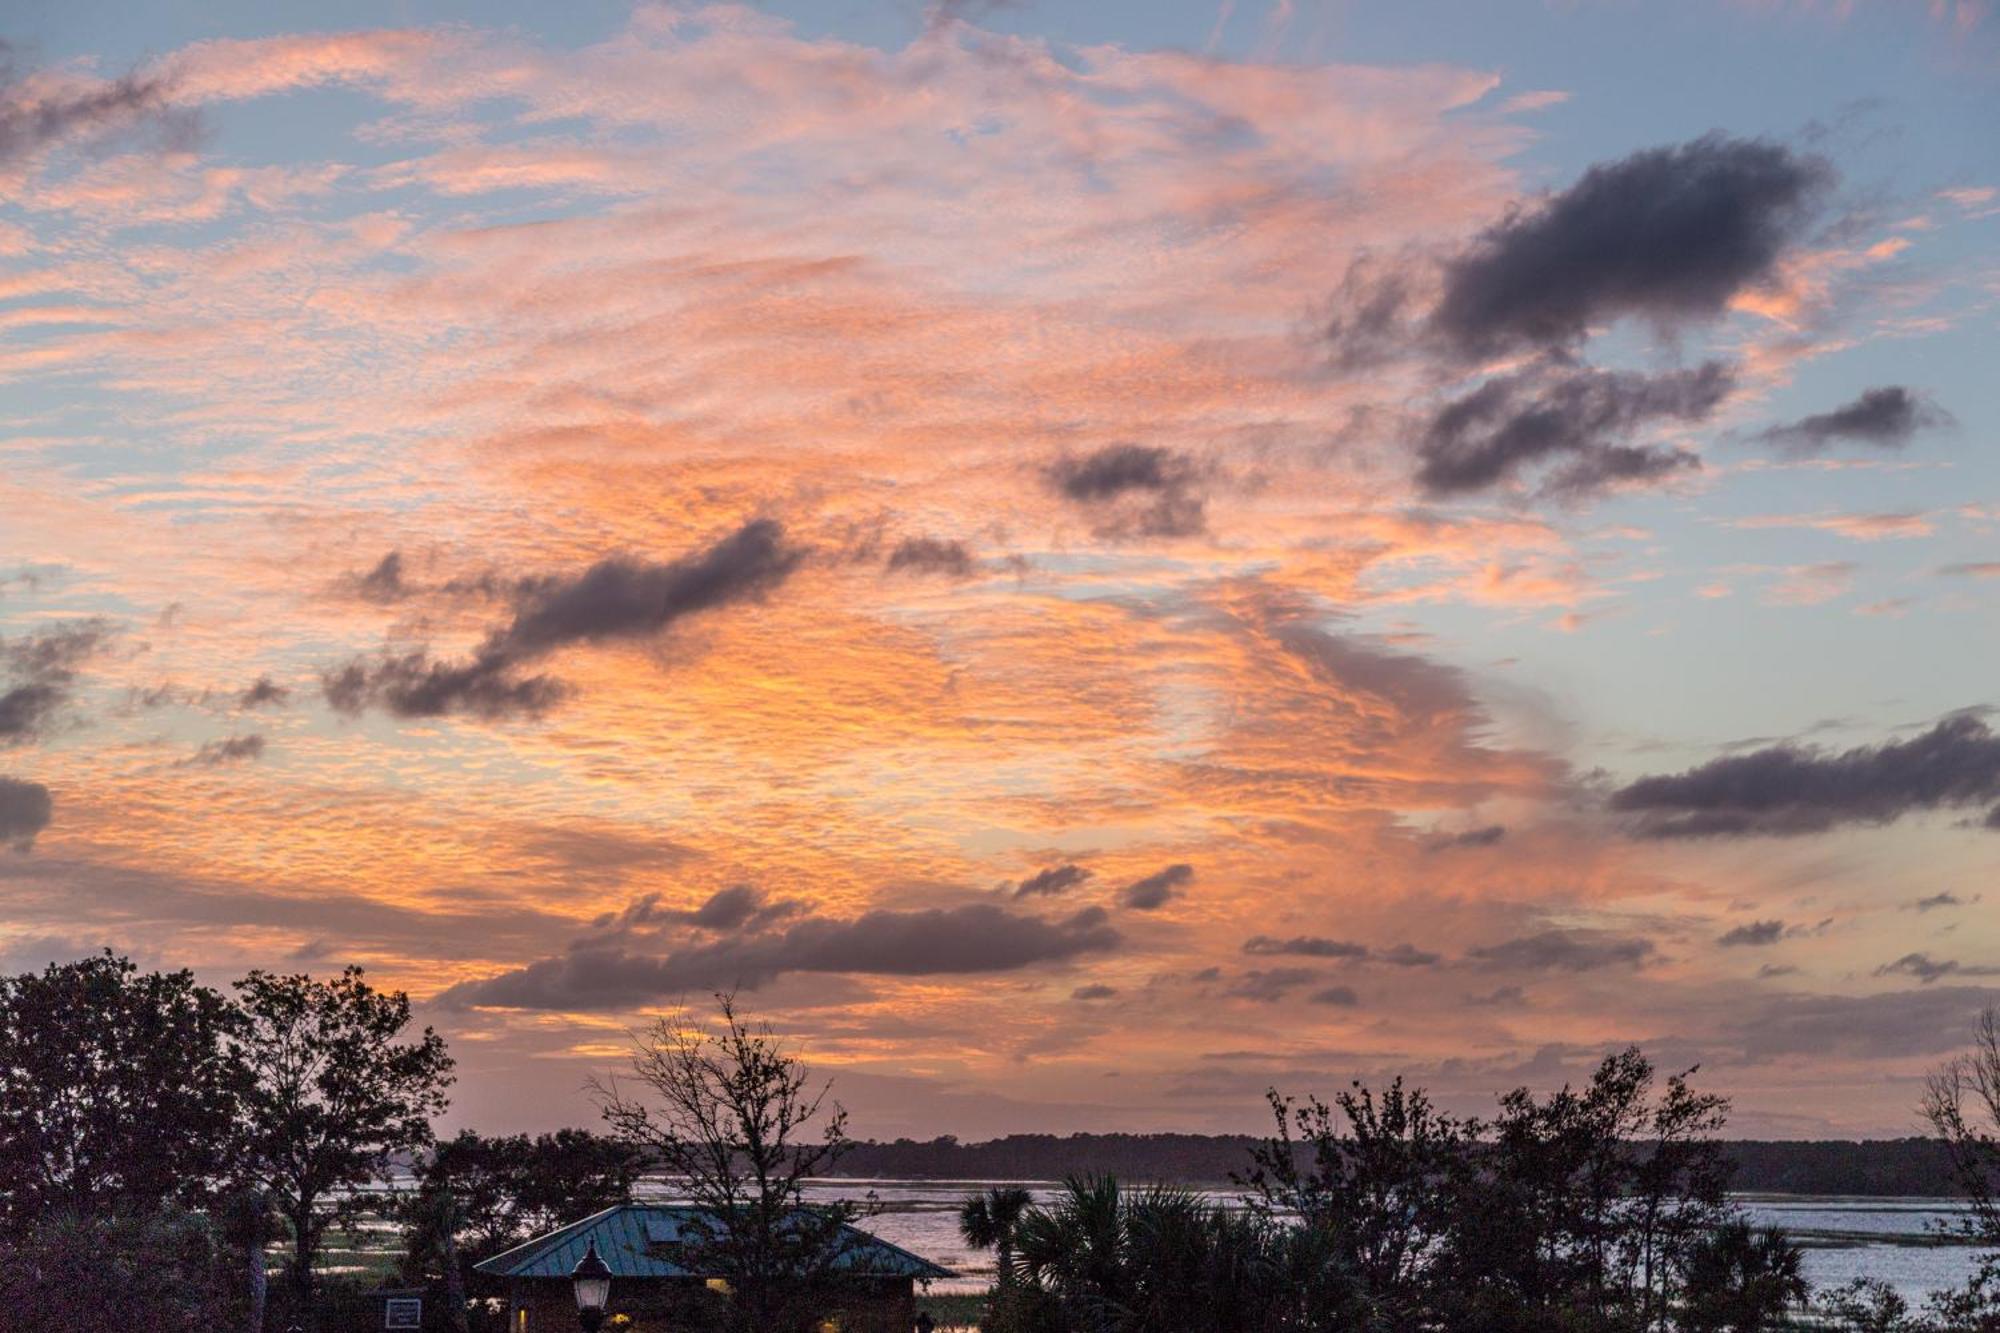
x=1877, y=1167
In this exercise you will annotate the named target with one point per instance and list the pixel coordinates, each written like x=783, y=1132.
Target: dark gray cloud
x=1319, y=946
x=1117, y=469
x=621, y=598
x=1886, y=417
x=1795, y=789
x=1152, y=892
x=27, y=710
x=1305, y=946
x=1755, y=934
x=1937, y=900
x=1341, y=996
x=1054, y=880
x=38, y=671
x=1137, y=490
x=1921, y=1021
x=977, y=938
x=384, y=583
x=1927, y=969
x=1667, y=234
x=1501, y=997
x=729, y=909
x=228, y=750
x=617, y=598
x=25, y=810
x=1489, y=836
x=1573, y=417
x=1565, y=951
x=262, y=691
x=930, y=555
x=1269, y=985
x=1093, y=992
x=415, y=684
x=35, y=118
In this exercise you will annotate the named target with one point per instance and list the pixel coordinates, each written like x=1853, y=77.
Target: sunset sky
x=1086, y=559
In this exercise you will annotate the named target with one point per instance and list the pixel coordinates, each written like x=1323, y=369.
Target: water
x=1843, y=1238
x=1846, y=1238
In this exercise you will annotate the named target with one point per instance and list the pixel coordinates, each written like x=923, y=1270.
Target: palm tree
x=987, y=1222
x=1074, y=1250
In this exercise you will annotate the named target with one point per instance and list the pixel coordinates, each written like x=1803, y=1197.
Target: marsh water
x=1843, y=1238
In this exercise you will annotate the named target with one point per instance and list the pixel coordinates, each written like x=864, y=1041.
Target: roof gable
x=636, y=1240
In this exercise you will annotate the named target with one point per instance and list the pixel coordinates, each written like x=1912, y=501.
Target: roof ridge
x=529, y=1253
x=534, y=1248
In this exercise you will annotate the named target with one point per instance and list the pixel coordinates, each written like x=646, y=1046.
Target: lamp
x=592, y=1280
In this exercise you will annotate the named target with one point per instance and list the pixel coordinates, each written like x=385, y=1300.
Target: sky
x=1084, y=560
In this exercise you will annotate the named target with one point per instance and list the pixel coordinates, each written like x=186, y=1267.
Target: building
x=644, y=1246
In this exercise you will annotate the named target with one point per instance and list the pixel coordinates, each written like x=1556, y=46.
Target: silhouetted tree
x=118, y=1090
x=335, y=1094
x=1100, y=1259
x=738, y=1125
x=987, y=1221
x=432, y=1223
x=1865, y=1305
x=1962, y=1102
x=1740, y=1280
x=494, y=1193
x=1581, y=1208
x=1376, y=1182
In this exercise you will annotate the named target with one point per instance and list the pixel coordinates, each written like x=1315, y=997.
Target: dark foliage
x=118, y=1091
x=161, y=1271
x=1594, y=1208
x=335, y=1094
x=476, y=1196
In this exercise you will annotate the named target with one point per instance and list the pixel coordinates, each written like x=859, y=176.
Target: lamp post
x=592, y=1280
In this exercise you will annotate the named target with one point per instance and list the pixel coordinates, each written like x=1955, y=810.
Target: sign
x=403, y=1312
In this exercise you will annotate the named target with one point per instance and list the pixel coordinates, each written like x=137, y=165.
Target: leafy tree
x=1376, y=1182
x=569, y=1174
x=1741, y=1280
x=335, y=1093
x=987, y=1222
x=476, y=1196
x=118, y=1090
x=738, y=1125
x=1582, y=1207
x=1865, y=1305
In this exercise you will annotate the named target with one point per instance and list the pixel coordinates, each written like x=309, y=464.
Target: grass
x=956, y=1309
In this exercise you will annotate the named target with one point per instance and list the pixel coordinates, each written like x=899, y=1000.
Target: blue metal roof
x=632, y=1238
